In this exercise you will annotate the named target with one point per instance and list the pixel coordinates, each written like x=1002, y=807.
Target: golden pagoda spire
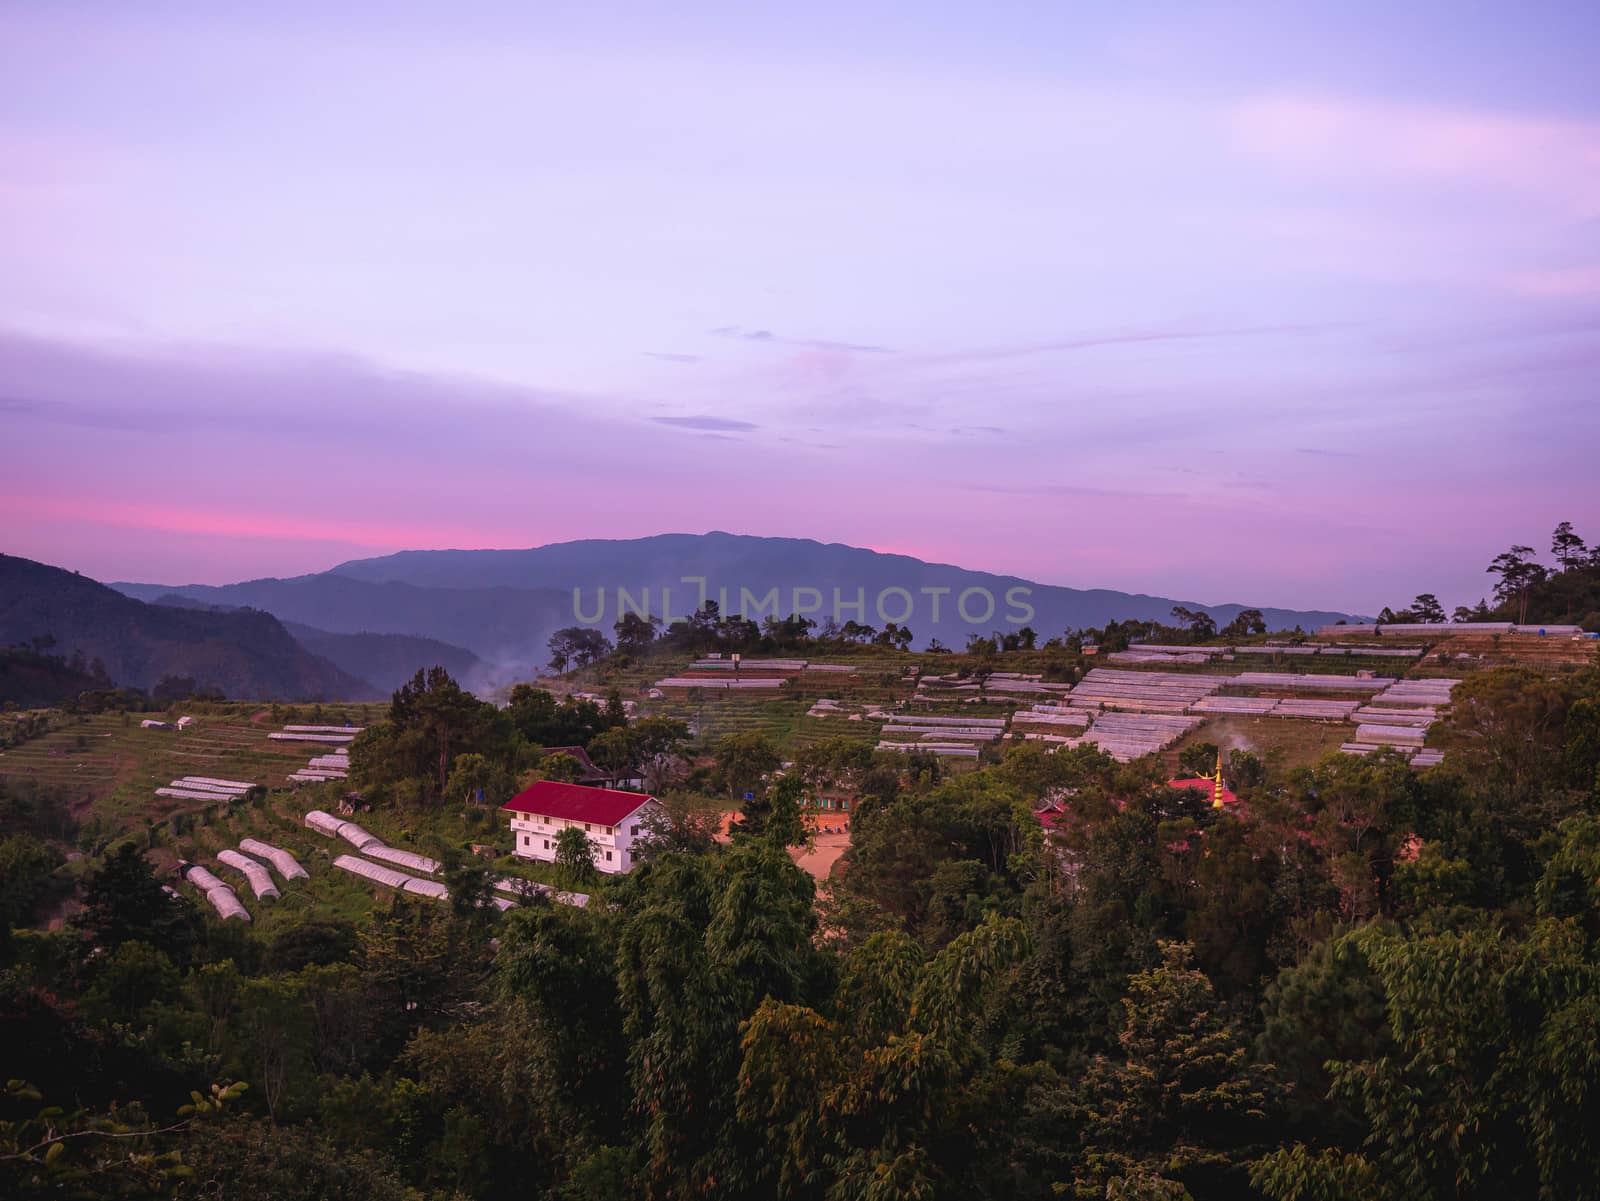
x=1216, y=783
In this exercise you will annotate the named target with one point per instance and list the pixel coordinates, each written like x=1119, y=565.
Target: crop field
x=1280, y=744
x=1468, y=653
x=109, y=767
x=887, y=679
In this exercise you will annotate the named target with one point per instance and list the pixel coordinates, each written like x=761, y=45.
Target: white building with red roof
x=612, y=820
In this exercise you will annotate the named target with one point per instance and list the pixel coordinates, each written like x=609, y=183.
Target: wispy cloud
x=739, y=333
x=1072, y=490
x=1130, y=338
x=705, y=421
x=670, y=357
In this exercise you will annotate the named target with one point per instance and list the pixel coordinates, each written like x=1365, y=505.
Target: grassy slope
x=111, y=767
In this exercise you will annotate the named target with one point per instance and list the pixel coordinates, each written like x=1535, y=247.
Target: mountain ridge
x=503, y=604
x=385, y=661
x=440, y=568
x=498, y=625
x=247, y=653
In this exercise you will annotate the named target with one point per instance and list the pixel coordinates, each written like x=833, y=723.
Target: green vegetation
x=1369, y=982
x=30, y=676
x=438, y=741
x=1527, y=591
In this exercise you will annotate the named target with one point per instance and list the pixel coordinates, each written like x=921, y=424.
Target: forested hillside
x=1049, y=976
x=384, y=661
x=1529, y=588
x=30, y=677
x=244, y=654
x=1040, y=972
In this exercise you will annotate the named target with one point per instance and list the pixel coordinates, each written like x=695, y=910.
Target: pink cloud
x=1557, y=161
x=212, y=521
x=135, y=469
x=1560, y=281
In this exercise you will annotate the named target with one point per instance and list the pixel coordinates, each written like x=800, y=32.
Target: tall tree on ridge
x=1426, y=608
x=1518, y=572
x=1567, y=548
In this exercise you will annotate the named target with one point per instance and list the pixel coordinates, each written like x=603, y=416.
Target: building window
x=635, y=831
x=587, y=827
x=608, y=856
x=547, y=844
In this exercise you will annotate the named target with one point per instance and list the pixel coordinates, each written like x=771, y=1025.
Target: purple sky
x=1246, y=302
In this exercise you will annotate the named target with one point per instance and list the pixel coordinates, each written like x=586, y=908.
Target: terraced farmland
x=107, y=766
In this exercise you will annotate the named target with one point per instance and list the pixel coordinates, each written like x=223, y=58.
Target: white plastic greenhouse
x=286, y=864
x=260, y=878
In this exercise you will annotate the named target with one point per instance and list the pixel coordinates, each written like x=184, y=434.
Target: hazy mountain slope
x=247, y=654
x=389, y=660
x=503, y=605
x=383, y=660
x=738, y=561
x=499, y=625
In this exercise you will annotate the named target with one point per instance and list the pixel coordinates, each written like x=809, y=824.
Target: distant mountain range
x=384, y=661
x=504, y=626
x=245, y=653
x=388, y=660
x=364, y=627
x=502, y=605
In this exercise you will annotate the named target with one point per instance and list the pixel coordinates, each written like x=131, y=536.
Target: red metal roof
x=1202, y=784
x=578, y=802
